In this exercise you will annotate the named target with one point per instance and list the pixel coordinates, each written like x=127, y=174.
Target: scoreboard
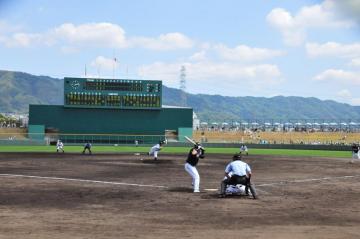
x=112, y=93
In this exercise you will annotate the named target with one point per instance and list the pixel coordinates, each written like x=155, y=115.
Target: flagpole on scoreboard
x=114, y=63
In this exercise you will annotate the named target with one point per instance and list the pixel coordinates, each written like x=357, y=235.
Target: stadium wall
x=111, y=121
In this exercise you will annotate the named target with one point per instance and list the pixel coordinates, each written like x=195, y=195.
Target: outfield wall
x=86, y=121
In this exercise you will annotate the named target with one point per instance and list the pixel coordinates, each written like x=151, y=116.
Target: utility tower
x=183, y=86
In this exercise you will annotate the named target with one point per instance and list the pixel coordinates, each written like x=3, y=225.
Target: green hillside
x=222, y=108
x=18, y=90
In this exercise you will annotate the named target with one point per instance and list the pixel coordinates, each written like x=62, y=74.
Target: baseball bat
x=190, y=140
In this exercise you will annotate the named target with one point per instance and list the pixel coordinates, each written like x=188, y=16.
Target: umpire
x=238, y=172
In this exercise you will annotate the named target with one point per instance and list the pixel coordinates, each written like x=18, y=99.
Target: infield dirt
x=299, y=198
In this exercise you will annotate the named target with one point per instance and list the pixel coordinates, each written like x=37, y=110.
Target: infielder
x=87, y=146
x=194, y=155
x=155, y=149
x=355, y=152
x=59, y=146
x=238, y=172
x=244, y=149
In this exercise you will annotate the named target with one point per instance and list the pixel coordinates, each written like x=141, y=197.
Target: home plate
x=136, y=153
x=211, y=189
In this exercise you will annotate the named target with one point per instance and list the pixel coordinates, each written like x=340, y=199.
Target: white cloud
x=6, y=28
x=246, y=53
x=282, y=20
x=340, y=76
x=205, y=76
x=92, y=34
x=11, y=37
x=345, y=95
x=333, y=49
x=355, y=62
x=103, y=63
x=103, y=34
x=199, y=56
x=294, y=28
x=21, y=40
x=169, y=41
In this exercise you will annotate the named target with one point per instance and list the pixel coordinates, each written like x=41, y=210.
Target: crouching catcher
x=238, y=172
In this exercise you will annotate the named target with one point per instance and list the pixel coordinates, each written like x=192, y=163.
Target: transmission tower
x=183, y=85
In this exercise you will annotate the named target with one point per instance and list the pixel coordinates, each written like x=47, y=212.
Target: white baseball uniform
x=59, y=146
x=154, y=150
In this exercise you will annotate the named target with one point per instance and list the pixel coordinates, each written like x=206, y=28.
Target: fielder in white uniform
x=244, y=149
x=190, y=166
x=155, y=149
x=59, y=146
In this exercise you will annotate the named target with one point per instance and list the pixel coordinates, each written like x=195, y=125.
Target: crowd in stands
x=8, y=120
x=259, y=136
x=341, y=126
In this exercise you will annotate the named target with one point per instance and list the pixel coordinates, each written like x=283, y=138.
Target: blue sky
x=236, y=48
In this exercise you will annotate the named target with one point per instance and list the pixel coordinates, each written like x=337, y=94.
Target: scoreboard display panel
x=112, y=93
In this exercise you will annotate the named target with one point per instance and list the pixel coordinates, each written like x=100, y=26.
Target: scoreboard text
x=112, y=93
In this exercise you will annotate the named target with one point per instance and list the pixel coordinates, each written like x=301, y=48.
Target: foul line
x=159, y=186
x=306, y=180
x=82, y=180
x=294, y=181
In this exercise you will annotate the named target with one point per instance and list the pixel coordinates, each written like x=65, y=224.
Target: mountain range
x=18, y=90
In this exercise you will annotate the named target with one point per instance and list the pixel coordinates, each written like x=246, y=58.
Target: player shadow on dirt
x=181, y=190
x=204, y=194
x=151, y=161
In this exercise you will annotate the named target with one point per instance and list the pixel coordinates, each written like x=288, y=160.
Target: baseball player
x=194, y=155
x=59, y=146
x=155, y=149
x=238, y=172
x=87, y=146
x=244, y=149
x=355, y=152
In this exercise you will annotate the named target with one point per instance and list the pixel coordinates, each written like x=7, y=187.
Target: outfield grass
x=185, y=150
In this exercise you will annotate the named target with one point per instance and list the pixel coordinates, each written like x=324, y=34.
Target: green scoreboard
x=112, y=93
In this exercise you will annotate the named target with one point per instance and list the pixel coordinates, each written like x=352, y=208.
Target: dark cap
x=237, y=157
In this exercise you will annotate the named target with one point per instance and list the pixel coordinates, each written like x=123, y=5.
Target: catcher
x=238, y=172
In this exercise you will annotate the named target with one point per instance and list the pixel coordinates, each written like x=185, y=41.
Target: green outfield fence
x=100, y=139
x=23, y=139
x=107, y=139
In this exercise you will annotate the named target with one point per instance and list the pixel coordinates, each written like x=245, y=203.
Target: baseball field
x=117, y=195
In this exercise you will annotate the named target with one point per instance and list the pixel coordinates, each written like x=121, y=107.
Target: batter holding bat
x=194, y=155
